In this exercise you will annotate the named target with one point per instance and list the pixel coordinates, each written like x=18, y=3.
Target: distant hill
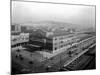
x=52, y=25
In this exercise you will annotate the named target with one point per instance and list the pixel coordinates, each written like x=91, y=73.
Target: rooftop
x=44, y=32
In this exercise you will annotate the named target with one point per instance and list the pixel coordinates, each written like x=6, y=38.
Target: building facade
x=16, y=28
x=19, y=39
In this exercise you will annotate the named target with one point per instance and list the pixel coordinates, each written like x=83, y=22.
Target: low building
x=19, y=39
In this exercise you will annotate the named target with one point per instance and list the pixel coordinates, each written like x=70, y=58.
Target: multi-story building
x=56, y=41
x=15, y=28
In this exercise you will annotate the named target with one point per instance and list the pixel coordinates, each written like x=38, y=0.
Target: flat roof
x=60, y=33
x=55, y=33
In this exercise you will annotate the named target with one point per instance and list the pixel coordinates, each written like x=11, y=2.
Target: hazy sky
x=27, y=12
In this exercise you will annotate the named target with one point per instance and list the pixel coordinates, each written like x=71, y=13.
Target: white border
x=5, y=36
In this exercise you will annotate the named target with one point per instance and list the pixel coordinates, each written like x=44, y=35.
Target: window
x=61, y=41
x=55, y=43
x=30, y=62
x=55, y=38
x=16, y=56
x=55, y=48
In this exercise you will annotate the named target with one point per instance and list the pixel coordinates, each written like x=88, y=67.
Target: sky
x=27, y=12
